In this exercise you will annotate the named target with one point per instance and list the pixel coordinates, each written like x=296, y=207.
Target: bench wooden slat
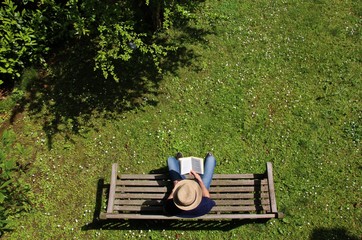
x=142, y=183
x=143, y=176
x=137, y=202
x=241, y=202
x=238, y=189
x=219, y=202
x=153, y=208
x=213, y=195
x=215, y=176
x=208, y=216
x=239, y=196
x=140, y=195
x=227, y=182
x=238, y=176
x=215, y=182
x=138, y=208
x=240, y=208
x=142, y=189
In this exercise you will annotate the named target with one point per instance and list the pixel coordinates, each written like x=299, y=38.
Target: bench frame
x=268, y=209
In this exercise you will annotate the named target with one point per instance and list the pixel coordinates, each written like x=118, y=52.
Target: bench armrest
x=112, y=188
x=273, y=202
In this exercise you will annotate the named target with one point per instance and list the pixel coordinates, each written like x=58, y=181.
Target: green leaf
x=286, y=220
x=2, y=197
x=5, y=184
x=10, y=164
x=2, y=70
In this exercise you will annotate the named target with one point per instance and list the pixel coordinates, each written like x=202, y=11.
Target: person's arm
x=174, y=184
x=205, y=192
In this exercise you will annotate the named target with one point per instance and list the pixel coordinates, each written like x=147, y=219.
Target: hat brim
x=198, y=190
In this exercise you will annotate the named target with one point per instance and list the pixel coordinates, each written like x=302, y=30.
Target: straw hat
x=187, y=194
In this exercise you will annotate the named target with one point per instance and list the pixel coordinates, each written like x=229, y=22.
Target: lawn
x=257, y=81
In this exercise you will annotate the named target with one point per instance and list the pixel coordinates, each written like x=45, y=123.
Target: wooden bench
x=237, y=196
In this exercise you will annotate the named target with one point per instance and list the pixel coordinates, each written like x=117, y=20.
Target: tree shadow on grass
x=332, y=233
x=72, y=94
x=191, y=224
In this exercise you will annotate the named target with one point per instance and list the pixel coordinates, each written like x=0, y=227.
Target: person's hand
x=196, y=175
x=175, y=182
x=205, y=192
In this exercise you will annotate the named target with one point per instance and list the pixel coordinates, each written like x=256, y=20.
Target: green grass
x=272, y=81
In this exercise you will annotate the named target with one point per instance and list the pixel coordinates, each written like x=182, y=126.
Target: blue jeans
x=209, y=165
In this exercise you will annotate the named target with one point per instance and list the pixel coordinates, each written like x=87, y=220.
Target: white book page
x=198, y=165
x=185, y=164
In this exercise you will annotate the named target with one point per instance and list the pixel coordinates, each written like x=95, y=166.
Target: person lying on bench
x=190, y=198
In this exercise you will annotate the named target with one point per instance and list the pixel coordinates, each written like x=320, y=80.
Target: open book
x=191, y=163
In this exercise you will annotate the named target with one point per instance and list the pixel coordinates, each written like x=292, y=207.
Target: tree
x=21, y=43
x=117, y=29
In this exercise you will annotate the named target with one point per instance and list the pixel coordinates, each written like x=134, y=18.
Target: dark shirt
x=204, y=207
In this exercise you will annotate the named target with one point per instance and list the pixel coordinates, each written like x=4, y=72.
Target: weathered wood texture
x=237, y=196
